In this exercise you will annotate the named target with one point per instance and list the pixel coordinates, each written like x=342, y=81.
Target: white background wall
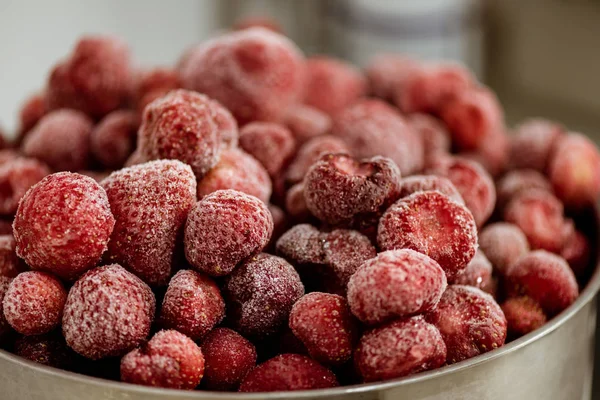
x=34, y=34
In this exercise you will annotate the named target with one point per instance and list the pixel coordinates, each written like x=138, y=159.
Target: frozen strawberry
x=533, y=143
x=340, y=190
x=271, y=144
x=255, y=73
x=32, y=110
x=113, y=140
x=239, y=171
x=425, y=183
x=288, y=372
x=60, y=139
x=470, y=321
x=516, y=181
x=433, y=133
x=306, y=122
x=16, y=177
x=49, y=349
x=373, y=128
x=108, y=313
x=546, y=278
x=170, y=360
x=310, y=153
x=400, y=348
x=187, y=293
x=63, y=224
x=10, y=264
x=503, y=244
x=577, y=251
x=523, y=315
x=388, y=72
x=33, y=303
x=432, y=224
x=478, y=274
x=150, y=202
x=229, y=357
x=260, y=294
x=223, y=229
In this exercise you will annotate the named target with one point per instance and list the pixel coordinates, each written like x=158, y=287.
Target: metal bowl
x=554, y=362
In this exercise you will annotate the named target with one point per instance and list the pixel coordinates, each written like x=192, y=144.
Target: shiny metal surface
x=552, y=363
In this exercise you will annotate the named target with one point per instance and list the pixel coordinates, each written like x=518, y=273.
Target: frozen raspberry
x=270, y=143
x=577, y=251
x=108, y=313
x=332, y=85
x=255, y=73
x=229, y=357
x=373, y=128
x=295, y=204
x=63, y=225
x=428, y=87
x=10, y=264
x=333, y=256
x=113, y=140
x=478, y=274
x=470, y=321
x=95, y=78
x=5, y=328
x=33, y=303
x=433, y=133
x=170, y=360
x=16, y=177
x=503, y=244
x=546, y=278
x=258, y=21
x=540, y=216
x=324, y=324
x=61, y=139
x=574, y=170
x=31, y=112
x=189, y=292
x=396, y=283
x=239, y=171
x=493, y=153
x=516, y=181
x=474, y=184
x=424, y=183
x=182, y=126
x=154, y=83
x=223, y=229
x=340, y=190
x=150, y=202
x=432, y=224
x=472, y=116
x=388, y=72
x=50, y=350
x=533, y=143
x=310, y=153
x=400, y=348
x=260, y=294
x=523, y=315
x=287, y=372
x=306, y=122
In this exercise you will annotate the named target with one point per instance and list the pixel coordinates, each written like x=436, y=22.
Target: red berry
x=388, y=72
x=113, y=140
x=32, y=110
x=255, y=73
x=577, y=252
x=16, y=177
x=170, y=360
x=49, y=349
x=470, y=321
x=306, y=122
x=95, y=78
x=574, y=170
x=523, y=315
x=271, y=144
x=503, y=244
x=324, y=324
x=373, y=128
x=61, y=139
x=478, y=274
x=331, y=84
x=433, y=133
x=34, y=302
x=10, y=264
x=239, y=171
x=229, y=357
x=400, y=348
x=425, y=183
x=260, y=294
x=287, y=372
x=310, y=153
x=516, y=181
x=396, y=283
x=150, y=202
x=63, y=225
x=432, y=224
x=5, y=328
x=340, y=190
x=546, y=278
x=223, y=229
x=108, y=313
x=154, y=83
x=192, y=304
x=533, y=143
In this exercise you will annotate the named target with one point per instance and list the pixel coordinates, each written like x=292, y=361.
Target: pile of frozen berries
x=255, y=220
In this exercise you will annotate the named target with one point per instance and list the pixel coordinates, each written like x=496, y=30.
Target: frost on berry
x=113, y=140
x=503, y=244
x=270, y=143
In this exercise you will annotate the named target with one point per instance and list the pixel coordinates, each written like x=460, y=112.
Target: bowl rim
x=585, y=297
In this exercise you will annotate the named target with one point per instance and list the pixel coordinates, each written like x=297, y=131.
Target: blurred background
x=541, y=56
